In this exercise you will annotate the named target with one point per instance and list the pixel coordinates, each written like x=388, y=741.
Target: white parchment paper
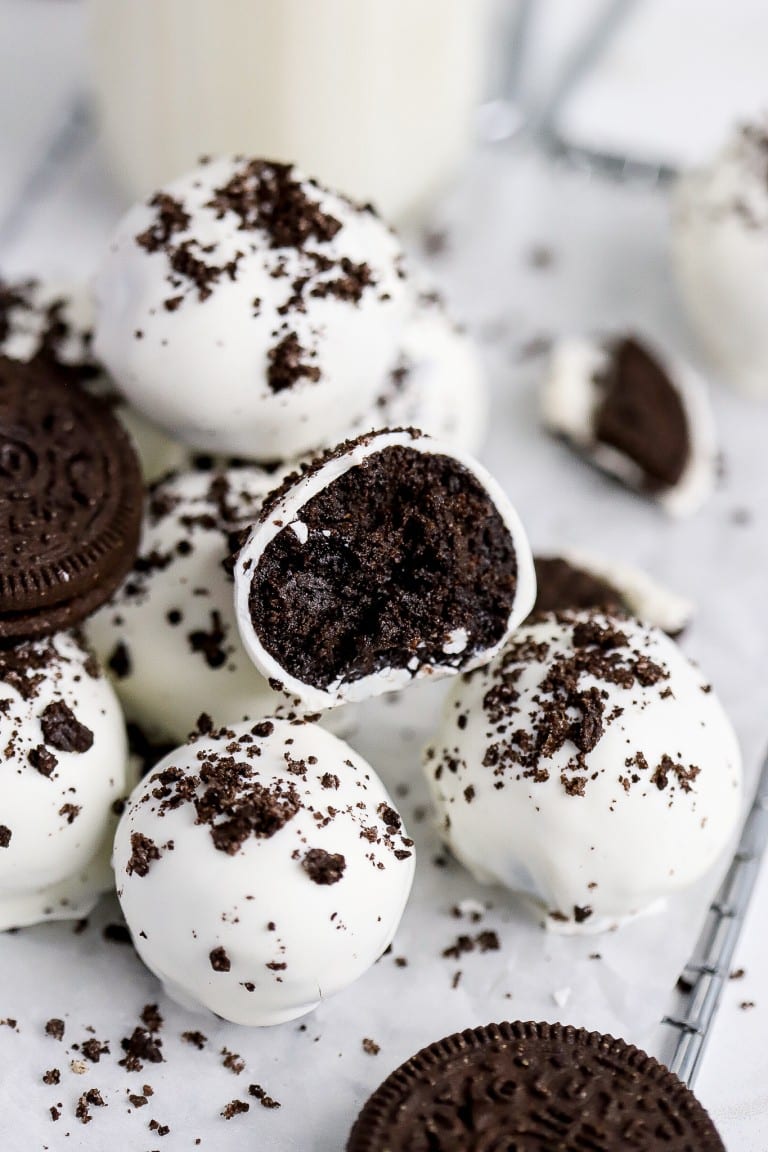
x=530, y=253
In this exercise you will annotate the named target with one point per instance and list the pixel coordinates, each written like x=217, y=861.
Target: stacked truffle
x=246, y=312
x=587, y=740
x=293, y=299
x=324, y=550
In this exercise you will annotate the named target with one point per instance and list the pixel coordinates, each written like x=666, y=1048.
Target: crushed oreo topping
x=266, y=195
x=62, y=730
x=220, y=961
x=571, y=712
x=143, y=852
x=324, y=867
x=228, y=797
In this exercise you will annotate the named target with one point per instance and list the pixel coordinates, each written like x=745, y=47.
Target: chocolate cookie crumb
x=55, y=1028
x=62, y=730
x=232, y=1061
x=371, y=1047
x=195, y=1038
x=235, y=1108
x=324, y=867
x=220, y=962
x=43, y=760
x=288, y=364
x=94, y=1049
x=266, y=1101
x=143, y=852
x=91, y=1097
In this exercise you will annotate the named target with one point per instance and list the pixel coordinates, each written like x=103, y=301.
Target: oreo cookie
x=533, y=1088
x=71, y=499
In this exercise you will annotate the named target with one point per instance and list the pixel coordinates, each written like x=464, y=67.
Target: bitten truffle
x=390, y=558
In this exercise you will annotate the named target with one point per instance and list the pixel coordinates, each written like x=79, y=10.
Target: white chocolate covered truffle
x=391, y=558
x=438, y=384
x=720, y=258
x=589, y=767
x=237, y=305
x=169, y=636
x=262, y=869
x=64, y=774
x=40, y=321
x=640, y=416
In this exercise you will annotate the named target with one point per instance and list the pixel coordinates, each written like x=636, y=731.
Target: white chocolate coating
x=57, y=321
x=720, y=259
x=286, y=515
x=602, y=834
x=289, y=940
x=202, y=364
x=644, y=596
x=60, y=815
x=174, y=613
x=438, y=385
x=571, y=396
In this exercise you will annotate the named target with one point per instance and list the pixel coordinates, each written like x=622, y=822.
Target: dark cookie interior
x=641, y=414
x=70, y=501
x=561, y=585
x=533, y=1088
x=416, y=549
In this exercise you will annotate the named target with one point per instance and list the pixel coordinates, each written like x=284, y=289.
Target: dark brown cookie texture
x=400, y=549
x=561, y=585
x=641, y=415
x=70, y=502
x=533, y=1088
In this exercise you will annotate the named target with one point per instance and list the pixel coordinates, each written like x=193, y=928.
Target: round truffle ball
x=720, y=258
x=169, y=636
x=261, y=869
x=236, y=306
x=64, y=772
x=437, y=385
x=590, y=766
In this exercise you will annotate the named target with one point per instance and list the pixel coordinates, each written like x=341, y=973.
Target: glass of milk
x=374, y=97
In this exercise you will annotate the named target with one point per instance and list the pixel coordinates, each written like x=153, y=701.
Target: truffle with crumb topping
x=589, y=766
x=249, y=887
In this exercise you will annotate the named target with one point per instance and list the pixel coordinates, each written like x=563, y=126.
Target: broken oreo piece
x=538, y=1087
x=638, y=415
x=70, y=502
x=575, y=580
x=390, y=558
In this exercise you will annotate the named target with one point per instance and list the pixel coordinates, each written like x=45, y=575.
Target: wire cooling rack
x=707, y=971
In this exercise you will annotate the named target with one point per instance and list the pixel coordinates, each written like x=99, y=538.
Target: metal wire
x=710, y=965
